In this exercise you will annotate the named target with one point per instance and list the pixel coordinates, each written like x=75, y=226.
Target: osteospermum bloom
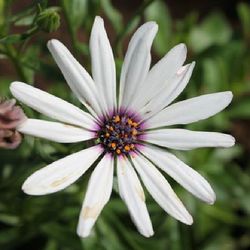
x=129, y=129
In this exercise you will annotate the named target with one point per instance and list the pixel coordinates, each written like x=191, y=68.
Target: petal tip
x=211, y=199
x=182, y=46
x=232, y=141
x=229, y=95
x=27, y=190
x=147, y=233
x=98, y=19
x=188, y=220
x=151, y=24
x=84, y=231
x=53, y=43
x=16, y=84
x=211, y=202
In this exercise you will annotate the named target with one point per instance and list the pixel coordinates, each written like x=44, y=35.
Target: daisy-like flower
x=128, y=130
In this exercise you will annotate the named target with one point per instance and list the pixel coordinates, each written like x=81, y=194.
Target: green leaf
x=9, y=219
x=76, y=11
x=25, y=21
x=30, y=62
x=2, y=16
x=214, y=30
x=159, y=13
x=113, y=15
x=214, y=75
x=240, y=109
x=11, y=39
x=244, y=15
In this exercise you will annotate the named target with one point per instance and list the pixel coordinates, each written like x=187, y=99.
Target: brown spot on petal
x=59, y=182
x=140, y=192
x=91, y=212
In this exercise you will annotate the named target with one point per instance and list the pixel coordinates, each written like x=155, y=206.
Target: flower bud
x=10, y=117
x=48, y=20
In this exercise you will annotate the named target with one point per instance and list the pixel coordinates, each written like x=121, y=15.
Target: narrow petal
x=76, y=76
x=97, y=195
x=169, y=93
x=182, y=173
x=51, y=106
x=191, y=110
x=160, y=77
x=103, y=65
x=60, y=174
x=184, y=139
x=137, y=62
x=54, y=131
x=160, y=190
x=131, y=192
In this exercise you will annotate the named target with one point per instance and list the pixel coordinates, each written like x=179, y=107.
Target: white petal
x=160, y=189
x=60, y=174
x=97, y=195
x=131, y=192
x=180, y=172
x=103, y=65
x=76, y=76
x=51, y=106
x=54, y=131
x=191, y=110
x=137, y=62
x=169, y=93
x=160, y=77
x=183, y=139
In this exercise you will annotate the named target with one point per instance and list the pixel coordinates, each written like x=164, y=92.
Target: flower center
x=119, y=134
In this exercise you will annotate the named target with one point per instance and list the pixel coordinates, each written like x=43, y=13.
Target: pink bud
x=10, y=117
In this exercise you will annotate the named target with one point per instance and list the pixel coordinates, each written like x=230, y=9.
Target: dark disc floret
x=119, y=134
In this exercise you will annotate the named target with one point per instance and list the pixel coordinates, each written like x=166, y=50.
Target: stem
x=12, y=53
x=71, y=30
x=121, y=35
x=186, y=237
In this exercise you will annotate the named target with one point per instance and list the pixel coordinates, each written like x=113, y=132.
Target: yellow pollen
x=134, y=132
x=113, y=144
x=127, y=147
x=107, y=135
x=135, y=124
x=117, y=118
x=118, y=151
x=111, y=128
x=130, y=122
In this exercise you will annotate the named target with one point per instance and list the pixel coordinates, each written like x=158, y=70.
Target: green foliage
x=48, y=20
x=221, y=50
x=159, y=13
x=214, y=30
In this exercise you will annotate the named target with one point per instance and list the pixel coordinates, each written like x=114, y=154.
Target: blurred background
x=217, y=34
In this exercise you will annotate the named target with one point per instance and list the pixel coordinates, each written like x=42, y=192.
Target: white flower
x=128, y=131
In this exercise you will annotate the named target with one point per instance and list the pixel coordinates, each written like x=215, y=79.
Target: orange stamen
x=113, y=144
x=134, y=132
x=111, y=128
x=118, y=151
x=117, y=118
x=129, y=121
x=107, y=135
x=135, y=124
x=127, y=147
